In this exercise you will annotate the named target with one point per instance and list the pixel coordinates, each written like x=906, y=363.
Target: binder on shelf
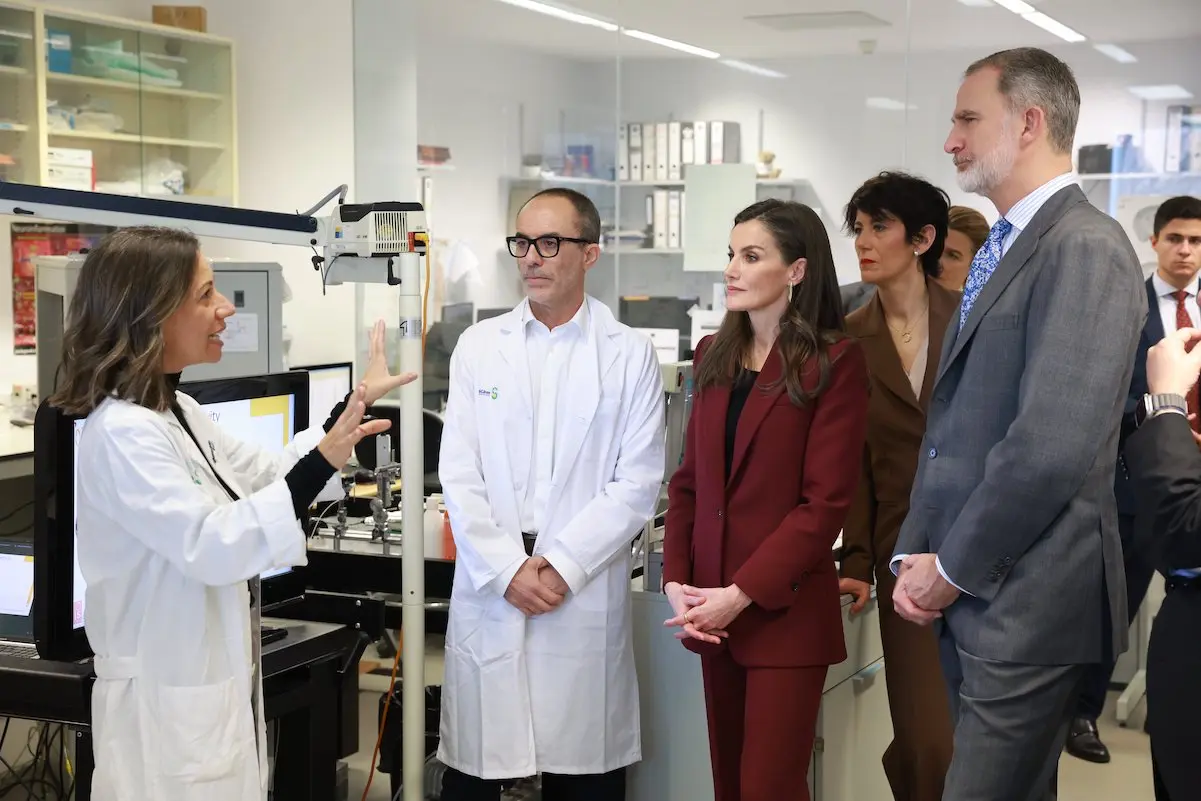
x=683, y=206
x=635, y=146
x=623, y=152
x=674, y=150
x=660, y=226
x=725, y=143
x=687, y=144
x=673, y=219
x=700, y=133
x=649, y=149
x=661, y=146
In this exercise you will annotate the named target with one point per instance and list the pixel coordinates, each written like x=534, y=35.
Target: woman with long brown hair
x=174, y=518
x=770, y=464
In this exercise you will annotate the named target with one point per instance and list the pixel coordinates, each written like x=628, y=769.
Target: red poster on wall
x=30, y=240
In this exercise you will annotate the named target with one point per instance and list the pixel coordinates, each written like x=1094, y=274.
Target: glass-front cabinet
x=116, y=106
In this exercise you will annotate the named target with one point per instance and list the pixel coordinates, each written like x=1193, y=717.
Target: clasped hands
x=536, y=588
x=704, y=613
x=921, y=592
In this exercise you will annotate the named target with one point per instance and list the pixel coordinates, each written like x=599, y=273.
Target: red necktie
x=1185, y=320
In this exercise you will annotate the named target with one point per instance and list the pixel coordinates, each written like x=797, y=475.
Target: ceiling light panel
x=562, y=13
x=672, y=43
x=1116, y=53
x=752, y=68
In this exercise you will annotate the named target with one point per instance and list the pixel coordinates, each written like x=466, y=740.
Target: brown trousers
x=916, y=761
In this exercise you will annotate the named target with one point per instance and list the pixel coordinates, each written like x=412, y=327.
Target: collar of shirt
x=1024, y=210
x=579, y=320
x=1165, y=290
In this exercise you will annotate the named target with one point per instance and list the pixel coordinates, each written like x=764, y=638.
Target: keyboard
x=270, y=634
x=17, y=650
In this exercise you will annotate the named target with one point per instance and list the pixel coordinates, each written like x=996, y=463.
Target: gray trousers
x=1010, y=722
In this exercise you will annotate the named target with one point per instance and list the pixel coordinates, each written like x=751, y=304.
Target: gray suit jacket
x=1014, y=489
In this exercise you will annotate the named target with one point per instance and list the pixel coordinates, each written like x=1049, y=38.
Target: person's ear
x=796, y=271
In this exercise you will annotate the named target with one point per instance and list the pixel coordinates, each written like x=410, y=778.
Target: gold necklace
x=907, y=334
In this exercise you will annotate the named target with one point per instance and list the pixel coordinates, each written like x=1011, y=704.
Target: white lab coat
x=166, y=556
x=557, y=692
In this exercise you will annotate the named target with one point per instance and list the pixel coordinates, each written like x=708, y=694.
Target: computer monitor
x=458, y=313
x=329, y=384
x=484, y=314
x=267, y=410
x=16, y=591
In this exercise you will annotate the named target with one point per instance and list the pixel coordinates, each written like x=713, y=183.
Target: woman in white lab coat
x=174, y=519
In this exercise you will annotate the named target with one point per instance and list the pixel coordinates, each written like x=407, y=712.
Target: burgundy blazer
x=771, y=527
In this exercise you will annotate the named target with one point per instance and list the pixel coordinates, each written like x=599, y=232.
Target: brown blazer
x=895, y=427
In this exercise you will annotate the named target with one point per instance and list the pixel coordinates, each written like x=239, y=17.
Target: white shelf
x=1118, y=176
x=562, y=179
x=7, y=70
x=567, y=179
x=436, y=168
x=15, y=127
x=125, y=86
x=634, y=251
x=136, y=139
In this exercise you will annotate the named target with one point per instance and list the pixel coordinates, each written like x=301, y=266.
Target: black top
x=744, y=382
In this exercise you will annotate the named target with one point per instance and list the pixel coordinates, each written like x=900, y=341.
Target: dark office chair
x=432, y=431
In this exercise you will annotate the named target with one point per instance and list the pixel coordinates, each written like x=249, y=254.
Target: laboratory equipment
x=379, y=243
x=677, y=389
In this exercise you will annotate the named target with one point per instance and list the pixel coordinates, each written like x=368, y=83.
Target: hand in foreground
x=921, y=592
x=338, y=444
x=527, y=593
x=1196, y=436
x=684, y=606
x=860, y=589
x=377, y=378
x=552, y=579
x=1173, y=363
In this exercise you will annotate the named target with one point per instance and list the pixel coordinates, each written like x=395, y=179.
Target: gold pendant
x=906, y=337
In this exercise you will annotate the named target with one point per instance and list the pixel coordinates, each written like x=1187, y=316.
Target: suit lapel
x=758, y=404
x=512, y=351
x=882, y=354
x=1154, y=326
x=1012, y=262
x=944, y=306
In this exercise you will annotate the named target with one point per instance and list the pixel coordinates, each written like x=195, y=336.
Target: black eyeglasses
x=547, y=246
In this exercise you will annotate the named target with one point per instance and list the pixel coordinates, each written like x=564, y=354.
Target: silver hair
x=1032, y=77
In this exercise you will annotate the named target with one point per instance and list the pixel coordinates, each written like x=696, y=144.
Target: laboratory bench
x=310, y=687
x=16, y=447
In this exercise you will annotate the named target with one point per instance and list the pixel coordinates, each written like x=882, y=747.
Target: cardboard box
x=192, y=18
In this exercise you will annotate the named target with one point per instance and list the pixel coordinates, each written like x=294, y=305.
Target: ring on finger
x=687, y=612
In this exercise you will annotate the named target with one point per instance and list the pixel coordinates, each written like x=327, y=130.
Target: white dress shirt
x=1019, y=217
x=548, y=353
x=1165, y=292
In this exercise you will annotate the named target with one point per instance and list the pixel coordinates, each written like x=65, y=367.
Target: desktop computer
x=329, y=384
x=266, y=410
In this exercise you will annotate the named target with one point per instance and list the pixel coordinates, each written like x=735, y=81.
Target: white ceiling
x=722, y=26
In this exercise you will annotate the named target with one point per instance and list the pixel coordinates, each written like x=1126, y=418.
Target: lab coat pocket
x=204, y=732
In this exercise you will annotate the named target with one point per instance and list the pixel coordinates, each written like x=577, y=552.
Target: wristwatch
x=1152, y=405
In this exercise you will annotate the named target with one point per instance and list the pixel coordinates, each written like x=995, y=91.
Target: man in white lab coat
x=551, y=462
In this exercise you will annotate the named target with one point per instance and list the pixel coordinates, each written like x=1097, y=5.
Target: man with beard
x=1012, y=540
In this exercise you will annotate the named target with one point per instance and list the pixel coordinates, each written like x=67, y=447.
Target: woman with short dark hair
x=899, y=222
x=175, y=518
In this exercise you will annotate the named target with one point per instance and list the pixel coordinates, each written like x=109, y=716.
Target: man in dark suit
x=1012, y=539
x=1172, y=304
x=1165, y=473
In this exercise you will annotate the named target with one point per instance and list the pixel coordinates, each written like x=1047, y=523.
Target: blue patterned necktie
x=983, y=265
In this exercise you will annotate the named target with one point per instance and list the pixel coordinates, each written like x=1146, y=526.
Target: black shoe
x=1084, y=742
